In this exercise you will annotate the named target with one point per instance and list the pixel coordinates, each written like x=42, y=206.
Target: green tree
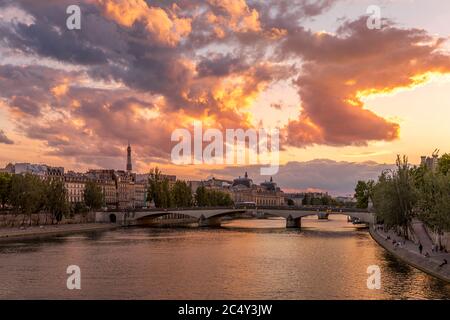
x=166, y=195
x=181, y=194
x=418, y=175
x=28, y=195
x=158, y=189
x=5, y=188
x=395, y=196
x=212, y=198
x=363, y=192
x=93, y=196
x=201, y=197
x=434, y=201
x=444, y=164
x=56, y=200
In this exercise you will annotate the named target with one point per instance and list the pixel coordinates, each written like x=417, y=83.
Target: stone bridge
x=211, y=217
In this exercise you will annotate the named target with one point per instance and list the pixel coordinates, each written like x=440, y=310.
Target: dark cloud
x=288, y=14
x=4, y=139
x=48, y=36
x=219, y=65
x=25, y=105
x=28, y=89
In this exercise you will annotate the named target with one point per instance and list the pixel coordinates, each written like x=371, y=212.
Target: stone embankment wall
x=11, y=220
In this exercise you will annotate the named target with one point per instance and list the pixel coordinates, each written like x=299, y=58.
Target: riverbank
x=12, y=234
x=408, y=252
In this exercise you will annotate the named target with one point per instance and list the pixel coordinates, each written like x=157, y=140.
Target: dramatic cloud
x=165, y=29
x=139, y=69
x=339, y=70
x=4, y=139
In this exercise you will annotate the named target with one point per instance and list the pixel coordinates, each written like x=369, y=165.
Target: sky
x=346, y=98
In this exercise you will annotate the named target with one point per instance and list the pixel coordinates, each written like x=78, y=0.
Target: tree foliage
x=434, y=200
x=93, y=196
x=212, y=198
x=444, y=164
x=395, y=195
x=28, y=195
x=5, y=188
x=56, y=202
x=407, y=192
x=158, y=189
x=363, y=193
x=181, y=194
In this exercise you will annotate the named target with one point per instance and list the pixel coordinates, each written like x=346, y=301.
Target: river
x=245, y=259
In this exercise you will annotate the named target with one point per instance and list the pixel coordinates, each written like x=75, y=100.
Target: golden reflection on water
x=245, y=259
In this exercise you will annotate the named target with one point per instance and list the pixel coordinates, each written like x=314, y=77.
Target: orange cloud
x=340, y=70
x=236, y=15
x=166, y=28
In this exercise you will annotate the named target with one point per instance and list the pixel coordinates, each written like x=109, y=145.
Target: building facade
x=75, y=184
x=265, y=194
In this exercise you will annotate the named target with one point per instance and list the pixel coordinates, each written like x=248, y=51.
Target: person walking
x=420, y=247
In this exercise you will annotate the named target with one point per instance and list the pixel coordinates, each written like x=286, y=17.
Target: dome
x=245, y=181
x=269, y=185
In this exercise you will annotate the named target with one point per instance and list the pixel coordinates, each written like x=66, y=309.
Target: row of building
x=123, y=189
x=243, y=190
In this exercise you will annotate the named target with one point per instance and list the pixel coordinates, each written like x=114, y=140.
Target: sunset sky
x=347, y=99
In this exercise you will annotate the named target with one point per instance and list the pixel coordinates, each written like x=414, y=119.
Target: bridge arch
x=213, y=216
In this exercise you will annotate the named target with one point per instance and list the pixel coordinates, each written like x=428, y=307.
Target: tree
x=306, y=200
x=212, y=198
x=434, y=201
x=5, y=188
x=219, y=198
x=166, y=195
x=418, y=175
x=395, y=196
x=57, y=204
x=28, y=195
x=363, y=192
x=201, y=198
x=93, y=196
x=444, y=164
x=158, y=189
x=181, y=194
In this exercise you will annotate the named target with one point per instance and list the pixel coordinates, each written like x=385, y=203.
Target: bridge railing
x=302, y=208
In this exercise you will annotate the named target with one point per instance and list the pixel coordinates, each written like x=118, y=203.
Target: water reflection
x=245, y=259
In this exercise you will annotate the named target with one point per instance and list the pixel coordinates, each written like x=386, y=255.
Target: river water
x=245, y=259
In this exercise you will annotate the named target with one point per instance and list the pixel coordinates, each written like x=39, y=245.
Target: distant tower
x=129, y=166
